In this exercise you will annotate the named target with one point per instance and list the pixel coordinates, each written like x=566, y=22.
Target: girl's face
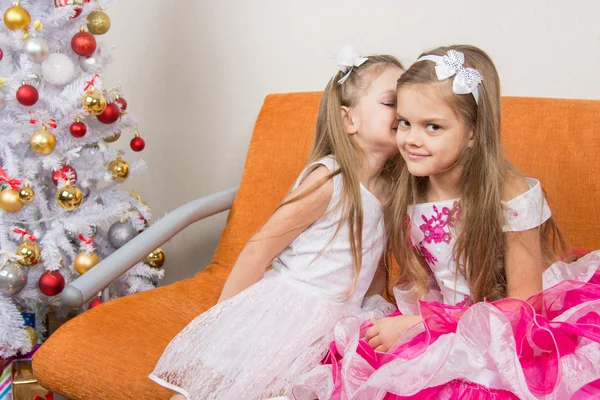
x=372, y=120
x=431, y=137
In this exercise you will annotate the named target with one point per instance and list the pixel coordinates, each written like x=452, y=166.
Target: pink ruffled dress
x=499, y=350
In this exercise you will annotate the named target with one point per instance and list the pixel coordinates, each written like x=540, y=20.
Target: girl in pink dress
x=481, y=318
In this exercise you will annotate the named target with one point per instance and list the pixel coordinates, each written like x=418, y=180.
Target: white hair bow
x=466, y=79
x=347, y=58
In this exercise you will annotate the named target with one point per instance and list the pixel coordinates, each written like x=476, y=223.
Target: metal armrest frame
x=108, y=270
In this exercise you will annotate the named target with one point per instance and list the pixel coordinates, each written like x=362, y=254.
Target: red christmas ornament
x=51, y=283
x=27, y=95
x=62, y=174
x=110, y=114
x=137, y=143
x=1, y=54
x=121, y=102
x=78, y=129
x=83, y=44
x=95, y=303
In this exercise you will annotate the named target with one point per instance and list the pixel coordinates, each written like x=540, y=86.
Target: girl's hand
x=385, y=332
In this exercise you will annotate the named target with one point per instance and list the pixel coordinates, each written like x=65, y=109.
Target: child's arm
x=523, y=263
x=278, y=232
x=522, y=253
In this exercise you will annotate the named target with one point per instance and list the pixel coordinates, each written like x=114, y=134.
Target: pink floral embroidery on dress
x=430, y=258
x=433, y=228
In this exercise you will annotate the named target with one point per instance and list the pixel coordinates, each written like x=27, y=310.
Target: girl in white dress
x=325, y=241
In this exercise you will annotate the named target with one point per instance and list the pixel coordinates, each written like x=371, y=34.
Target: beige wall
x=196, y=72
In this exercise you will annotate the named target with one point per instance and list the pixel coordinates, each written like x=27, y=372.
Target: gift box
x=28, y=318
x=5, y=380
x=24, y=384
x=56, y=317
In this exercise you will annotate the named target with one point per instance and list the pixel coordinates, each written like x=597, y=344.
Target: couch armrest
x=109, y=269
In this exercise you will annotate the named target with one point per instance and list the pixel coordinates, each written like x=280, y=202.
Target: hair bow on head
x=347, y=58
x=466, y=79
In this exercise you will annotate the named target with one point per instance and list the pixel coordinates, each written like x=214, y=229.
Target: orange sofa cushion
x=558, y=142
x=108, y=352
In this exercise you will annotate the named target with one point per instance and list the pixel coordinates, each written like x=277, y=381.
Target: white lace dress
x=255, y=344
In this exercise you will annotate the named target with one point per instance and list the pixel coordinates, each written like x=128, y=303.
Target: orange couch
x=108, y=352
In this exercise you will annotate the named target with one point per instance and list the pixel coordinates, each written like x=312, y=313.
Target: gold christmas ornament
x=98, y=22
x=16, y=17
x=156, y=259
x=31, y=253
x=69, y=197
x=26, y=194
x=32, y=334
x=119, y=169
x=113, y=138
x=85, y=261
x=43, y=142
x=93, y=102
x=9, y=200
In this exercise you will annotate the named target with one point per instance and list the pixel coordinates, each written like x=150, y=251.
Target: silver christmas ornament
x=13, y=278
x=72, y=237
x=2, y=101
x=37, y=49
x=121, y=233
x=88, y=64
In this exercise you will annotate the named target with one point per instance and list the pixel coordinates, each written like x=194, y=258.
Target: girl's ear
x=350, y=126
x=471, y=140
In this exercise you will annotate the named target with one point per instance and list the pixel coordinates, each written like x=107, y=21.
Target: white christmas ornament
x=88, y=64
x=37, y=49
x=58, y=69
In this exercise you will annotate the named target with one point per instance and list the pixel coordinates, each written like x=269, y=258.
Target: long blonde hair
x=332, y=139
x=481, y=239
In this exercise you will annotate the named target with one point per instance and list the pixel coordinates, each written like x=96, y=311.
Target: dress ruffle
x=547, y=347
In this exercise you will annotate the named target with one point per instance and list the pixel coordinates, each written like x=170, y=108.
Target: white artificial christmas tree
x=61, y=210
